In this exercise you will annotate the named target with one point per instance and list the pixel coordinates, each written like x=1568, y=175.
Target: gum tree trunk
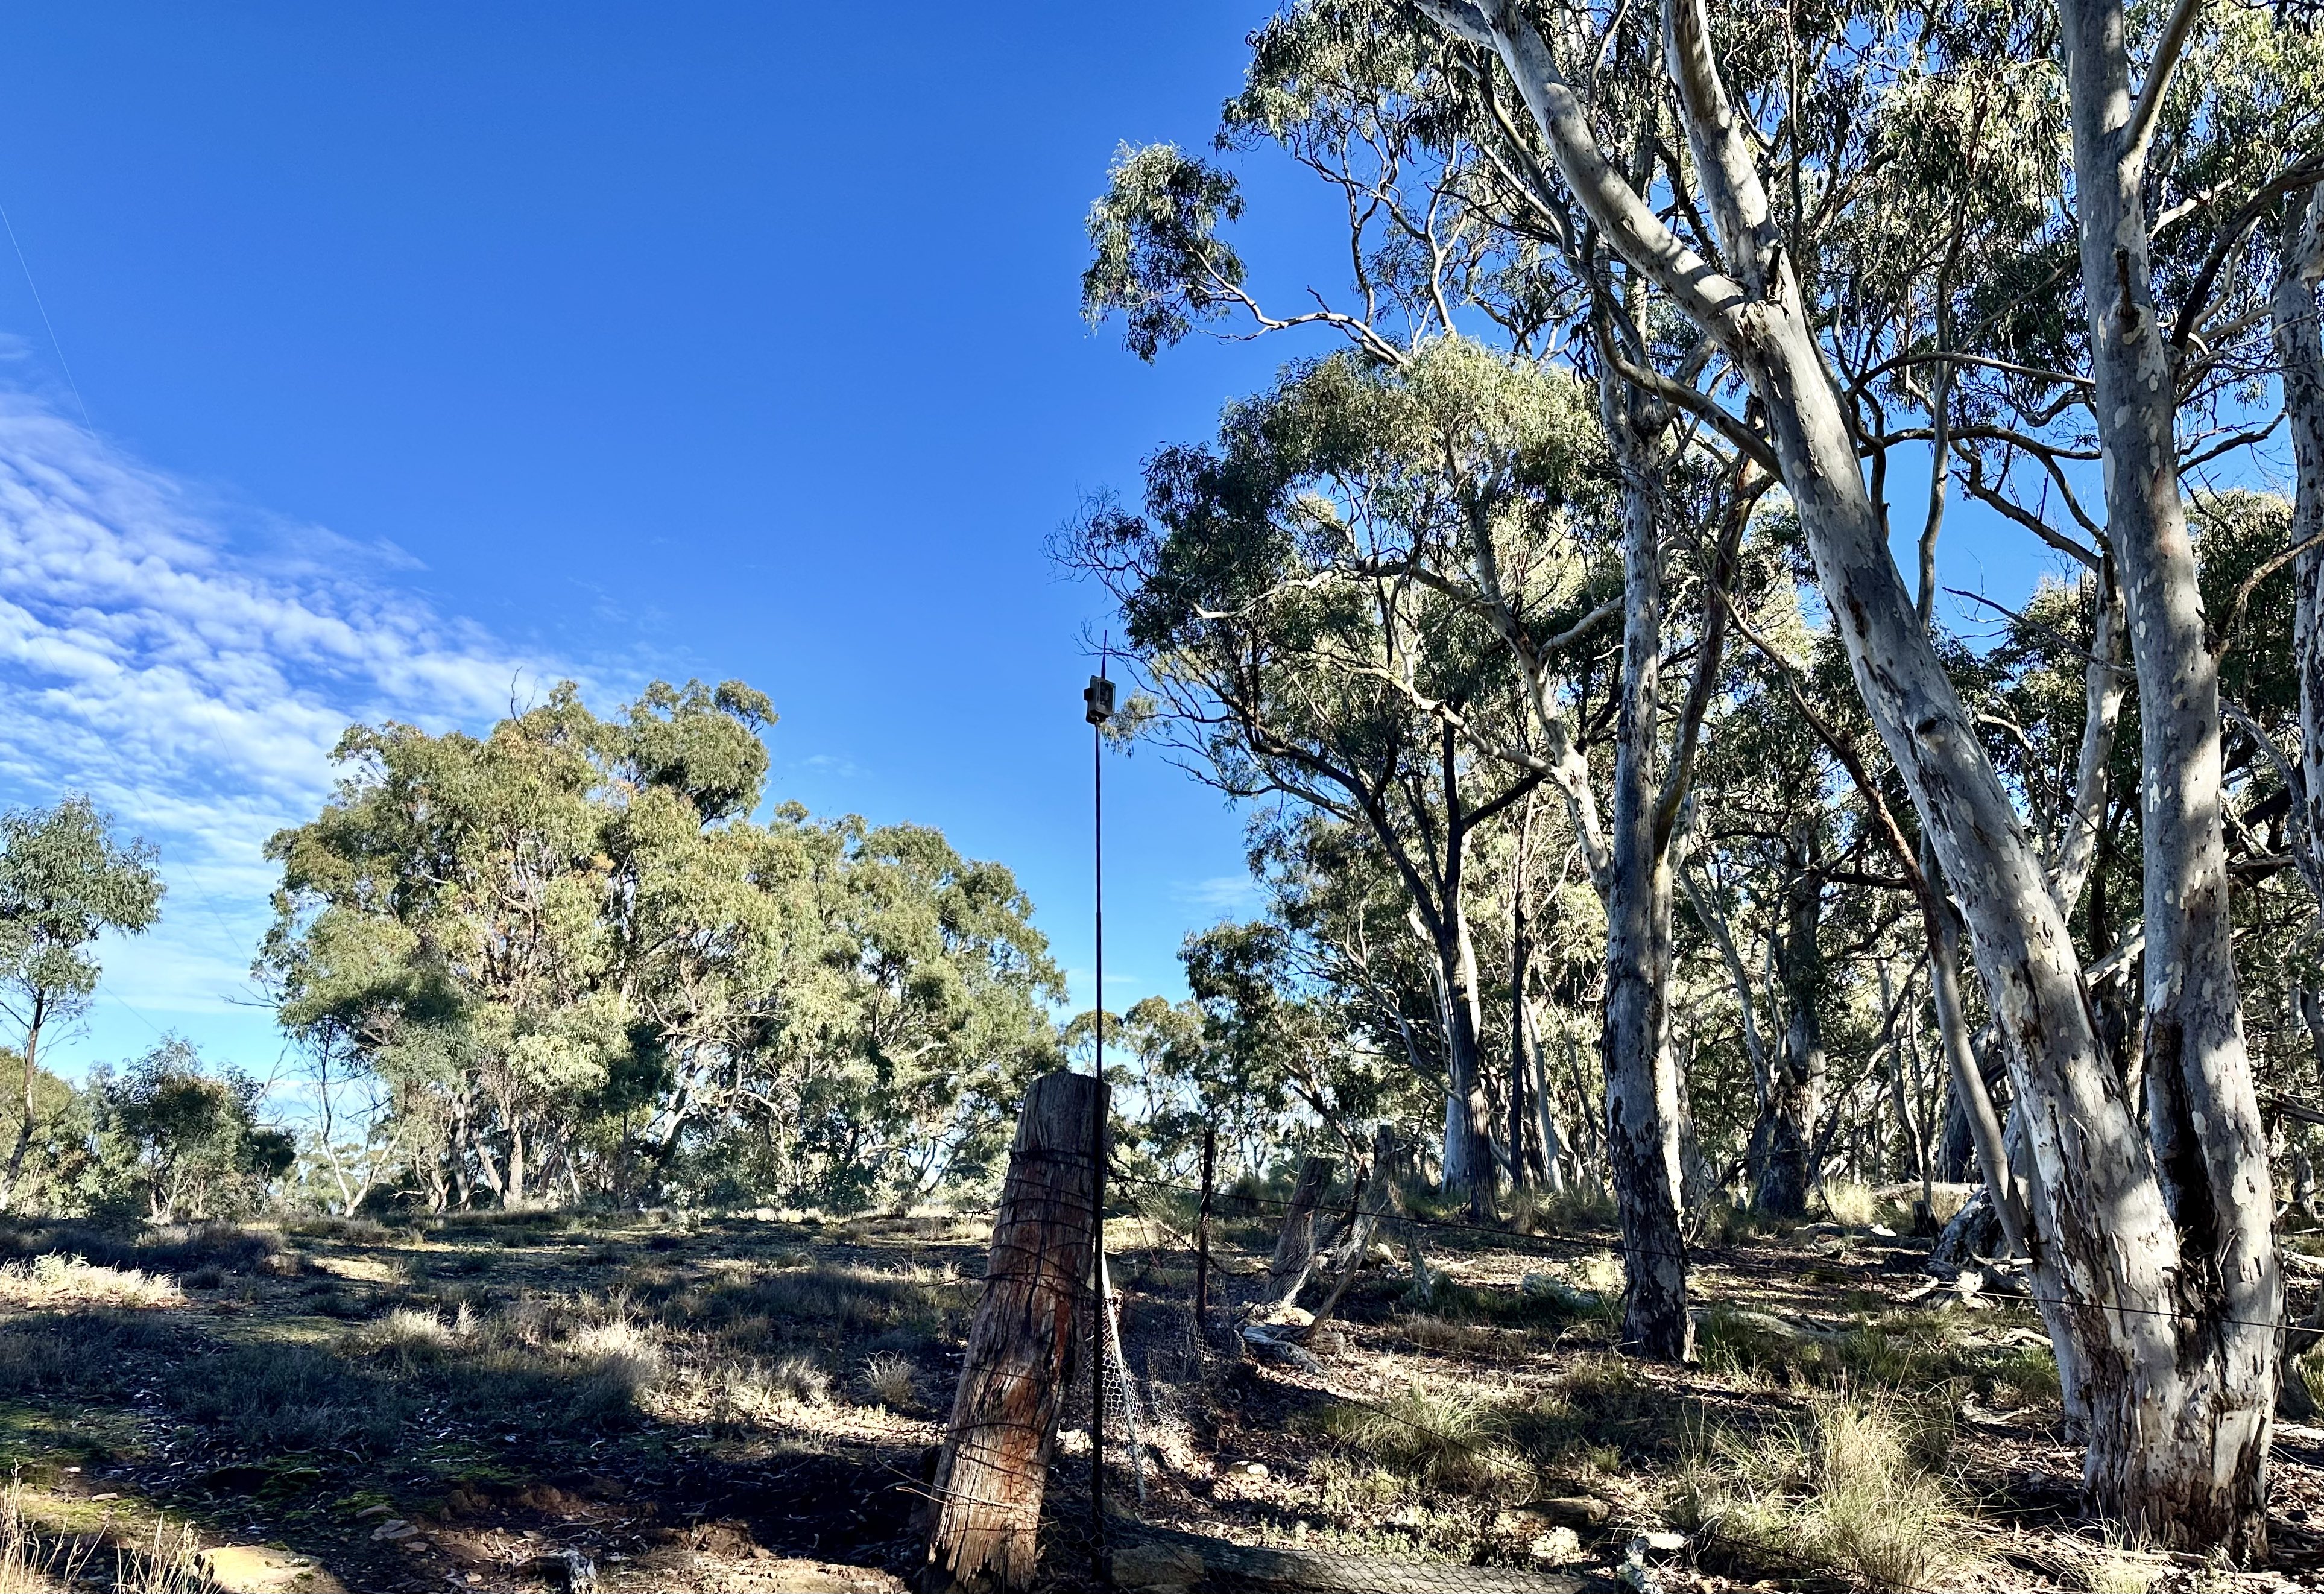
x=1792, y=1103
x=1642, y=1109
x=1295, y=1245
x=2300, y=359
x=2186, y=1452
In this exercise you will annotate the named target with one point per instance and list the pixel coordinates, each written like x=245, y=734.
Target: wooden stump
x=1294, y=1247
x=994, y=1463
x=1379, y=1193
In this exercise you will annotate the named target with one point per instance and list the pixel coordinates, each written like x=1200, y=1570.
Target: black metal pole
x=1097, y=1176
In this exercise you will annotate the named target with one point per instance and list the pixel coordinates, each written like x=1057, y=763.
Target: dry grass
x=746, y=1393
x=33, y=1561
x=1447, y=1438
x=1851, y=1204
x=52, y=1281
x=1848, y=1484
x=1568, y=1212
x=1428, y=1331
x=889, y=1379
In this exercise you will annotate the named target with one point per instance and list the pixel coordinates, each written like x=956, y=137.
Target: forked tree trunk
x=1642, y=1109
x=1378, y=1196
x=992, y=1468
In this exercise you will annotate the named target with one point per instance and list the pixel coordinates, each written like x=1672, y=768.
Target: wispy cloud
x=1220, y=893
x=190, y=669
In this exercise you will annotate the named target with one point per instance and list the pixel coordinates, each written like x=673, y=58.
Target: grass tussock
x=78, y=1355
x=747, y=1392
x=1446, y=1438
x=1849, y=1484
x=272, y=1398
x=890, y=1379
x=562, y=1366
x=52, y=1280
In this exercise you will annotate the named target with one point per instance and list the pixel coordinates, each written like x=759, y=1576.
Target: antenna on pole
x=1097, y=706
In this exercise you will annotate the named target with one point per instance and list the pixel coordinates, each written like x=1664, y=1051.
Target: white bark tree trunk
x=2300, y=361
x=2176, y=1450
x=2189, y=1449
x=1642, y=1106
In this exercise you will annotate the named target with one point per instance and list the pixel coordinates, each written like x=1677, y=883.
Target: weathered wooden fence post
x=994, y=1462
x=1202, y=1232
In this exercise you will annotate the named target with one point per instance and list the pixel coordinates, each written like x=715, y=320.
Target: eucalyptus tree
x=190, y=1134
x=66, y=879
x=1280, y=595
x=574, y=957
x=2179, y=1420
x=1438, y=227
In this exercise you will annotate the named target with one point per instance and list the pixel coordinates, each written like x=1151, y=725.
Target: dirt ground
x=746, y=1403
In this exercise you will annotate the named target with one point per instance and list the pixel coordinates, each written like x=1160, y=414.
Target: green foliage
x=1156, y=258
x=189, y=1138
x=66, y=879
x=572, y=958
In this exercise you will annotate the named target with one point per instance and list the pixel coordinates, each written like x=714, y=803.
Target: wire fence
x=1639, y=1551
x=1508, y=1238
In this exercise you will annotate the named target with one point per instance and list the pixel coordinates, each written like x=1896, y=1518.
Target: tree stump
x=1379, y=1193
x=994, y=1464
x=1294, y=1247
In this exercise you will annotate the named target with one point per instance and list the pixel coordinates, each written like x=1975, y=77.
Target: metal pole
x=1097, y=1179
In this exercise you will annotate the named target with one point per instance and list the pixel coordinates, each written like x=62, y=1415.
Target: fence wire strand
x=1477, y=1580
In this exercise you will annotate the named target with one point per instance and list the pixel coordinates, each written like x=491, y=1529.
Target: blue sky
x=422, y=353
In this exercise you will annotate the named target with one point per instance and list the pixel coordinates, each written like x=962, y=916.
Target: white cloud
x=193, y=681
x=1220, y=893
